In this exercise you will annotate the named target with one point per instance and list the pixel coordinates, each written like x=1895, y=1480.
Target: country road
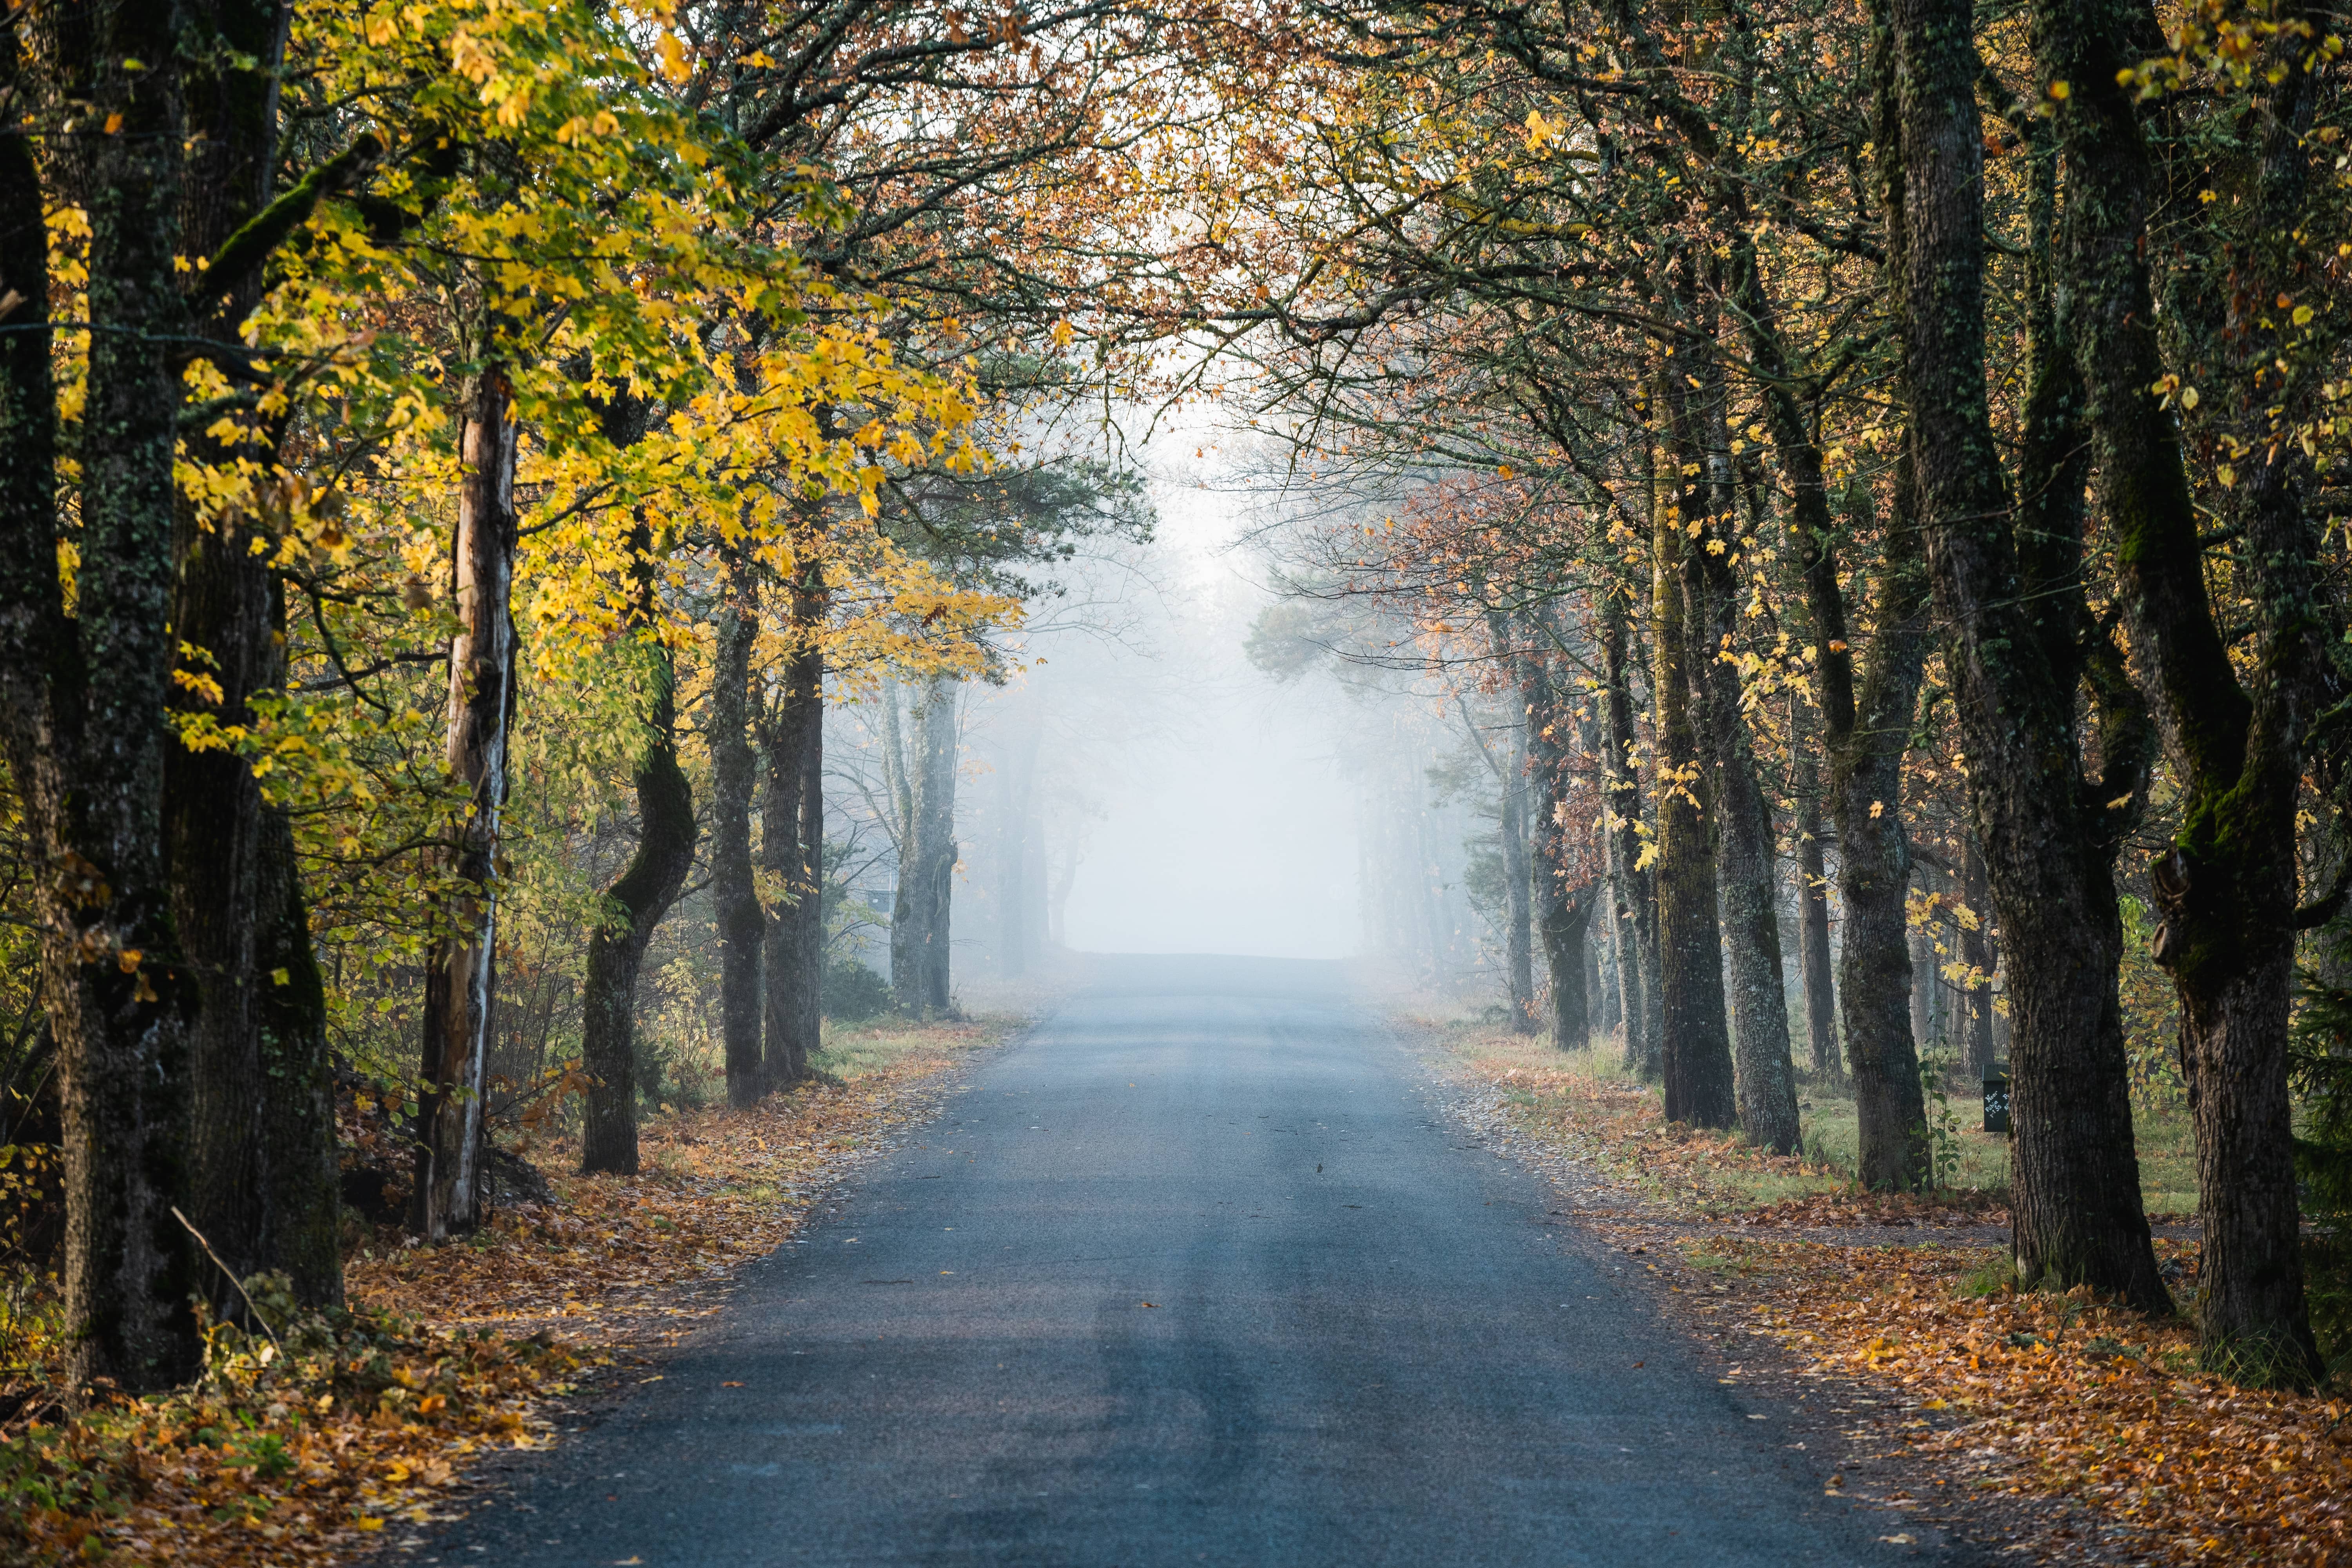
x=1196, y=1272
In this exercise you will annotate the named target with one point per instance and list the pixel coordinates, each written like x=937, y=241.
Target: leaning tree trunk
x=791, y=818
x=1694, y=1036
x=461, y=969
x=2228, y=889
x=636, y=901
x=2076, y=1204
x=85, y=698
x=1747, y=874
x=742, y=924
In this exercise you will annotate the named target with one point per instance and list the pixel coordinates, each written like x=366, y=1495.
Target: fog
x=1228, y=825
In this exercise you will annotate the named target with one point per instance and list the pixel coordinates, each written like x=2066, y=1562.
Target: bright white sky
x=1234, y=832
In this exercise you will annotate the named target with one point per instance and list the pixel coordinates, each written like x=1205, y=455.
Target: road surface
x=1197, y=1272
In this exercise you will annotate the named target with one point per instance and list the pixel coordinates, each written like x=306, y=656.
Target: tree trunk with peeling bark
x=460, y=973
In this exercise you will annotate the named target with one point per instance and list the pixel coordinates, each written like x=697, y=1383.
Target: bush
x=853, y=992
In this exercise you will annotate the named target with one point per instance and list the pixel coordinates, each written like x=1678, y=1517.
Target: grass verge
x=1987, y=1390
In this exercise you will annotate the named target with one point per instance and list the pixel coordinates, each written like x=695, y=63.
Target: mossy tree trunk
x=2076, y=1203
x=2228, y=889
x=85, y=695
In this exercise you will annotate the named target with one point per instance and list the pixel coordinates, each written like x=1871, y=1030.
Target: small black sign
x=1996, y=1098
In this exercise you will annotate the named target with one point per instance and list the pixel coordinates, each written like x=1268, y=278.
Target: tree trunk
x=2228, y=890
x=742, y=924
x=635, y=901
x=1696, y=1047
x=1746, y=874
x=458, y=990
x=262, y=1182
x=85, y=698
x=1567, y=884
x=1813, y=961
x=1634, y=917
x=922, y=769
x=791, y=818
x=935, y=837
x=2076, y=1205
x=1510, y=771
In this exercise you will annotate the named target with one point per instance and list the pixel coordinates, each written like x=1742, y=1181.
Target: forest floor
x=340, y=1434
x=1967, y=1395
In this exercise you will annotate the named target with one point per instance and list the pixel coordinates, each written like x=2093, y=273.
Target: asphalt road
x=1194, y=1273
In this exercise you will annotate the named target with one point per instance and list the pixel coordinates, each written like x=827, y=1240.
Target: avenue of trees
x=1874, y=460
x=455, y=451
x=1861, y=457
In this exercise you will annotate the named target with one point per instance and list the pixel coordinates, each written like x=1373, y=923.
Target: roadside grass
x=306, y=1448
x=1621, y=1118
x=1991, y=1390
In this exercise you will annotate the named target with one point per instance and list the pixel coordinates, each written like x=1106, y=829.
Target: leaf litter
x=1981, y=1391
x=309, y=1446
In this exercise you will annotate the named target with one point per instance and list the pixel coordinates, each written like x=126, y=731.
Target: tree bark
x=1693, y=1033
x=2076, y=1207
x=923, y=785
x=1568, y=887
x=85, y=697
x=1813, y=958
x=935, y=835
x=742, y=924
x=636, y=900
x=1518, y=937
x=2228, y=890
x=791, y=818
x=1746, y=870
x=461, y=968
x=1634, y=917
x=262, y=1181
